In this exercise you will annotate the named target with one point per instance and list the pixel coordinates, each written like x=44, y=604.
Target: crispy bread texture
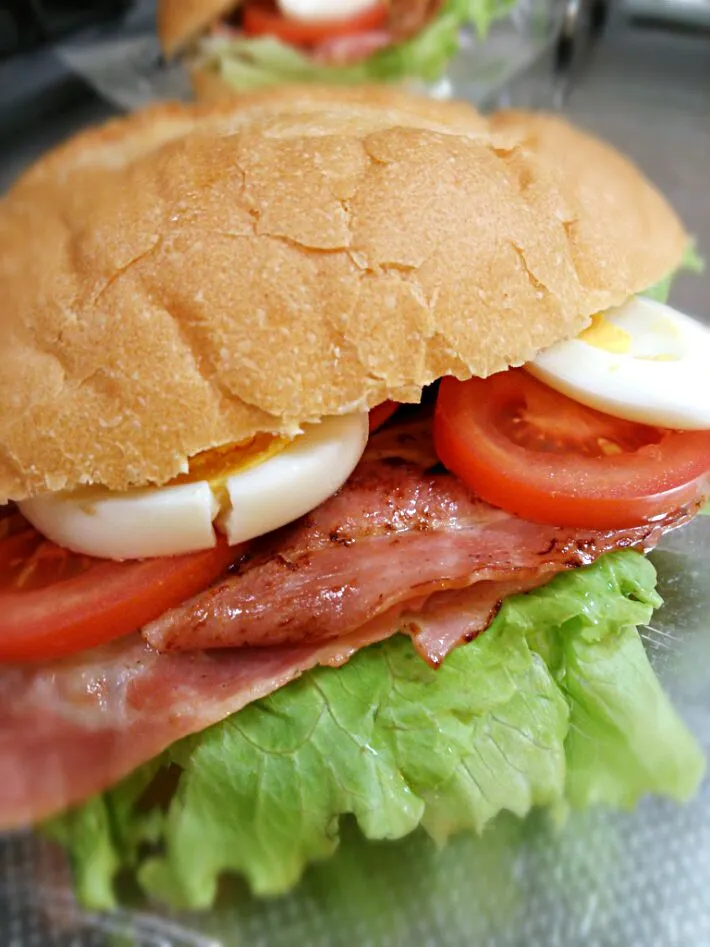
x=188, y=276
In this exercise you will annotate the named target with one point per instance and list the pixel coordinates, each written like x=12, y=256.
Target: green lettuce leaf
x=253, y=63
x=692, y=262
x=556, y=705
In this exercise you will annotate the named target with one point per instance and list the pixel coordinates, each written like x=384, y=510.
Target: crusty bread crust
x=185, y=277
x=182, y=21
x=116, y=143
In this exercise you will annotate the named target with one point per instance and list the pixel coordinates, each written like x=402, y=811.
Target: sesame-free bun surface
x=188, y=276
x=181, y=21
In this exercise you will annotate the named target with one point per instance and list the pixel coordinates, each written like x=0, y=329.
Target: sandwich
x=232, y=46
x=335, y=428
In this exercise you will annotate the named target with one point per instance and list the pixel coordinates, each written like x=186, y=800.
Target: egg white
x=644, y=362
x=181, y=518
x=310, y=11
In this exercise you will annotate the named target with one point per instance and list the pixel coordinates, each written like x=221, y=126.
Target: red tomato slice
x=381, y=413
x=540, y=455
x=54, y=602
x=263, y=18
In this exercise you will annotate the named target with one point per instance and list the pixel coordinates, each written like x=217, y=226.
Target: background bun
x=207, y=83
x=181, y=21
x=187, y=276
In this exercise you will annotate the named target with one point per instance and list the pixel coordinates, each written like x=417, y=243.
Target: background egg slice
x=308, y=11
x=643, y=361
x=246, y=493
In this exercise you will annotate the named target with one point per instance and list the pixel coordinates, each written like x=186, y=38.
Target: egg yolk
x=216, y=466
x=603, y=334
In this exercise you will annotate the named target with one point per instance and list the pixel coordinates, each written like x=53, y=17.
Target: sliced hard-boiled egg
x=244, y=491
x=643, y=361
x=308, y=11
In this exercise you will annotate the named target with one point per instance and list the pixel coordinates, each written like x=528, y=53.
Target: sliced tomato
x=54, y=602
x=381, y=413
x=540, y=455
x=263, y=18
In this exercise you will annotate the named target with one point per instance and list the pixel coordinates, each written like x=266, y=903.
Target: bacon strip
x=347, y=50
x=453, y=618
x=73, y=728
x=409, y=17
x=394, y=533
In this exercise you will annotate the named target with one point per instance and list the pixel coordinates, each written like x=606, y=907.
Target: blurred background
x=636, y=72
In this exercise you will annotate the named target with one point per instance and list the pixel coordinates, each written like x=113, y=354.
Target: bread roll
x=182, y=21
x=188, y=276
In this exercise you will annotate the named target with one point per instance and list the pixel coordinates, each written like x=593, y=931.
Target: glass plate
x=607, y=880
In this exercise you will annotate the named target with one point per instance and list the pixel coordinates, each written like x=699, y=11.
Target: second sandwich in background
x=231, y=46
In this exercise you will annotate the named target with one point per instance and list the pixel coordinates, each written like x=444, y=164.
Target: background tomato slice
x=540, y=455
x=54, y=602
x=381, y=413
x=263, y=18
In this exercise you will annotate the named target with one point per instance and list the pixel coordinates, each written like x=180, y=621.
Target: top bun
x=188, y=276
x=182, y=21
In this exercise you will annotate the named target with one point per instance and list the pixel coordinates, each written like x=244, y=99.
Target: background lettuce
x=555, y=705
x=252, y=63
x=692, y=262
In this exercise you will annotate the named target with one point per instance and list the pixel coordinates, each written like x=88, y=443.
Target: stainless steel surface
x=648, y=92
x=686, y=12
x=606, y=880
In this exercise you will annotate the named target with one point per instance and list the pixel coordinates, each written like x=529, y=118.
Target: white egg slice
x=643, y=362
x=180, y=517
x=155, y=521
x=309, y=11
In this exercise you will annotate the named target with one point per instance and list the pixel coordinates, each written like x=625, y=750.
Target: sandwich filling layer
x=403, y=547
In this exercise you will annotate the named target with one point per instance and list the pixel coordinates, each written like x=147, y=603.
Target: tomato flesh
x=536, y=453
x=54, y=602
x=263, y=18
x=381, y=413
